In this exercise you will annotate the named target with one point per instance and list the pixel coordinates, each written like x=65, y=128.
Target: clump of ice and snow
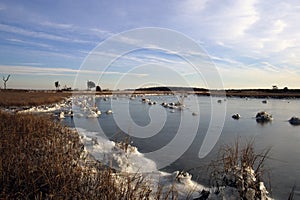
x=241, y=182
x=125, y=158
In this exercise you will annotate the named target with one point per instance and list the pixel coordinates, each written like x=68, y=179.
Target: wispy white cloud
x=21, y=31
x=30, y=70
x=194, y=6
x=270, y=67
x=100, y=32
x=279, y=26
x=15, y=40
x=225, y=60
x=56, y=25
x=30, y=64
x=37, y=34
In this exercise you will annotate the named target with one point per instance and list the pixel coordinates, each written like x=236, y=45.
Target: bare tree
x=5, y=80
x=57, y=85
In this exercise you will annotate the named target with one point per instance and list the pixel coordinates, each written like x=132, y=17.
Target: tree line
x=90, y=85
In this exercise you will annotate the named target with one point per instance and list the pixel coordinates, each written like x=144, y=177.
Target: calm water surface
x=283, y=138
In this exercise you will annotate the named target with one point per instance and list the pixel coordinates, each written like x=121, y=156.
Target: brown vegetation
x=38, y=98
x=239, y=166
x=262, y=93
x=40, y=159
x=30, y=98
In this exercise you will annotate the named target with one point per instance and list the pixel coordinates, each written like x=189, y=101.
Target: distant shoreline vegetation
x=187, y=89
x=254, y=93
x=21, y=97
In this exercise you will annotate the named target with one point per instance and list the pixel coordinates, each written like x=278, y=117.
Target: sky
x=246, y=43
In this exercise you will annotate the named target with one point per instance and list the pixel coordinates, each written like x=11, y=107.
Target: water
x=160, y=126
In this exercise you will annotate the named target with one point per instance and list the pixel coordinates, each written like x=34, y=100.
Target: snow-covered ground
x=132, y=161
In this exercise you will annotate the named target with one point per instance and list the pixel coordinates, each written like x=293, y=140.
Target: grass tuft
x=240, y=167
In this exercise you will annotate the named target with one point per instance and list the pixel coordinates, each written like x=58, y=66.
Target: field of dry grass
x=262, y=94
x=30, y=98
x=40, y=159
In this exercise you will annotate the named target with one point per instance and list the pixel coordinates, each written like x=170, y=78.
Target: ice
x=109, y=152
x=49, y=108
x=130, y=160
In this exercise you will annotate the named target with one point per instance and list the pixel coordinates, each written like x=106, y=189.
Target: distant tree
x=285, y=89
x=57, y=85
x=275, y=87
x=98, y=88
x=66, y=88
x=5, y=80
x=90, y=85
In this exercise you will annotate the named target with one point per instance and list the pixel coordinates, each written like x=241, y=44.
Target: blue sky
x=253, y=44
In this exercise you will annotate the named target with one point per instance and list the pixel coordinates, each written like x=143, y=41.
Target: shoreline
x=49, y=101
x=15, y=97
x=228, y=93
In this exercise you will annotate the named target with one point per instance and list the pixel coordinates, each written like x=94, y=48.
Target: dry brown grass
x=234, y=168
x=30, y=98
x=40, y=159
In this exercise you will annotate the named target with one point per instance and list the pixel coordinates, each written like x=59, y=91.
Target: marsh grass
x=240, y=166
x=40, y=159
x=30, y=98
x=292, y=193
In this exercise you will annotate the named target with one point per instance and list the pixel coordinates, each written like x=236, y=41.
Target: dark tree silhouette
x=5, y=80
x=98, y=88
x=57, y=85
x=90, y=85
x=275, y=87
